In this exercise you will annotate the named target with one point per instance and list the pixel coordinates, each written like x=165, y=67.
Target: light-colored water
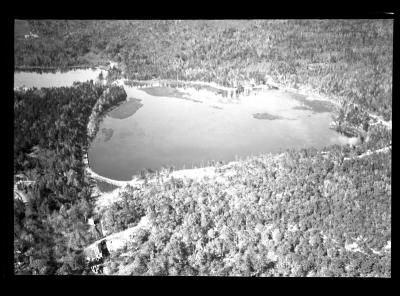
x=173, y=131
x=58, y=79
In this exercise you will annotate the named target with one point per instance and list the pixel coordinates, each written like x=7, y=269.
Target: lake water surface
x=151, y=130
x=58, y=79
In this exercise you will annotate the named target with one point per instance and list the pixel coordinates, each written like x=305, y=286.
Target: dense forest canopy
x=346, y=58
x=50, y=140
x=291, y=215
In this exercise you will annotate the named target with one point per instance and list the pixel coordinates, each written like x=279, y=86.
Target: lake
x=186, y=128
x=57, y=79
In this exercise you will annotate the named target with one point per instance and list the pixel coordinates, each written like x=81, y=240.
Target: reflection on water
x=172, y=131
x=58, y=79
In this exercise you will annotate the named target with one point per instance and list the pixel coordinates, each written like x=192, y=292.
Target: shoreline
x=58, y=69
x=199, y=173
x=251, y=89
x=246, y=86
x=105, y=65
x=189, y=172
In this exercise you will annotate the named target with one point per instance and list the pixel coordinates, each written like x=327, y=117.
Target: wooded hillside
x=347, y=58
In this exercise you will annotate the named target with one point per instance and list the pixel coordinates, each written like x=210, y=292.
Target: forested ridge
x=337, y=58
x=50, y=140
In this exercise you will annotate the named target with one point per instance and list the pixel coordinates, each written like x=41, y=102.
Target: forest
x=293, y=214
x=296, y=213
x=349, y=59
x=50, y=139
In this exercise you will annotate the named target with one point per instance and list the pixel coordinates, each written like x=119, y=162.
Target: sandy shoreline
x=205, y=96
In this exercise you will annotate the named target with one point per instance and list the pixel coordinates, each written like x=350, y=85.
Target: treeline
x=355, y=121
x=341, y=58
x=110, y=97
x=60, y=44
x=290, y=215
x=50, y=139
